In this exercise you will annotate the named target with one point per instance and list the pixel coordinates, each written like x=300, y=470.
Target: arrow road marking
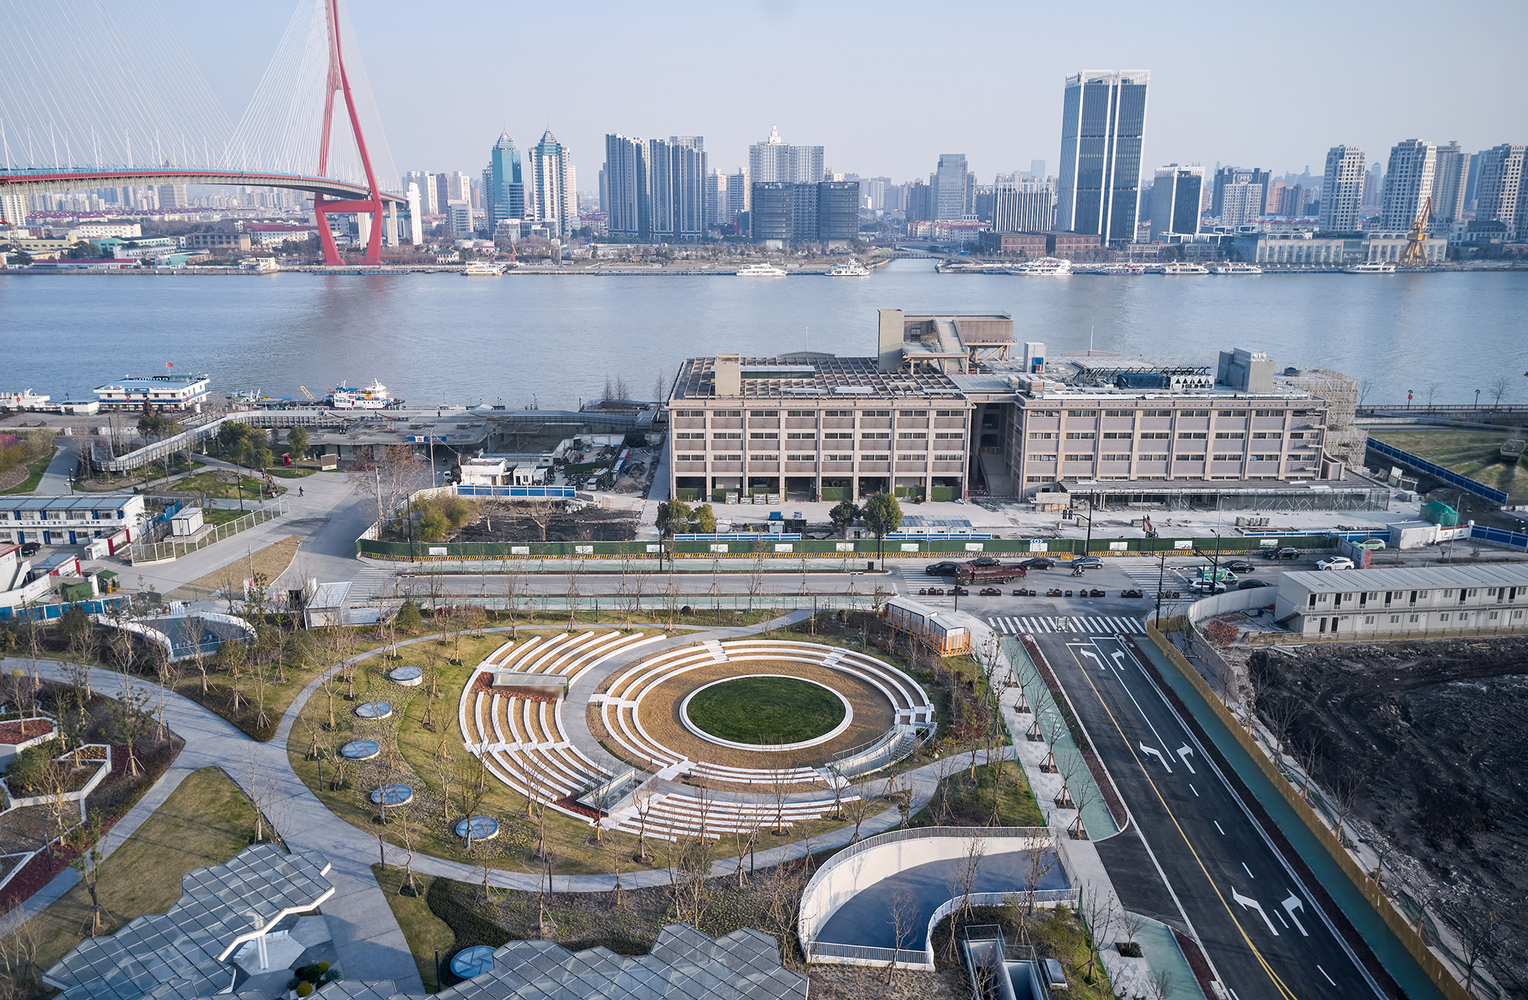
x=1328, y=978
x=1158, y=755
x=1252, y=904
x=1092, y=656
x=1217, y=826
x=1292, y=904
x=1183, y=752
x=1119, y=659
x=1247, y=870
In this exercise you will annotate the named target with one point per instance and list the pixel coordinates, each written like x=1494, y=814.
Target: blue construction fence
x=519, y=492
x=1500, y=536
x=1439, y=472
x=48, y=612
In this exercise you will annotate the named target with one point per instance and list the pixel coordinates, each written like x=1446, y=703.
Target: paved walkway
x=55, y=478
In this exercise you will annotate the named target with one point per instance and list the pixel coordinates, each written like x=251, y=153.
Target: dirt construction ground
x=1428, y=740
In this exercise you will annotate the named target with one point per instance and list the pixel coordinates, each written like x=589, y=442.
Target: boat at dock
x=372, y=397
x=849, y=269
x=1370, y=267
x=1237, y=267
x=1181, y=268
x=762, y=271
x=1045, y=267
x=482, y=268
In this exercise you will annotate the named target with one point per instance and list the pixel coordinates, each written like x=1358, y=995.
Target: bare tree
x=1480, y=933
x=643, y=800
x=1499, y=389
x=860, y=804
x=903, y=913
x=1098, y=912
x=1160, y=985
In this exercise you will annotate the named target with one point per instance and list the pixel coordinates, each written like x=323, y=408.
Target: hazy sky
x=886, y=87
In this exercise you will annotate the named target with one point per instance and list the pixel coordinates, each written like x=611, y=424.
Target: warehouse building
x=1430, y=601
x=950, y=407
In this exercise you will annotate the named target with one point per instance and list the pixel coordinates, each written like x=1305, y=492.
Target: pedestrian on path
x=299, y=491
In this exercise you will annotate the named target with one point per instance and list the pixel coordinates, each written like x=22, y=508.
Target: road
x=1261, y=928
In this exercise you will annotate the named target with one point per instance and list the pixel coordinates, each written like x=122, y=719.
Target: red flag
x=168, y=365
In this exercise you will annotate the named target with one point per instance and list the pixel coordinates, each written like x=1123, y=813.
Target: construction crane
x=1415, y=254
x=305, y=392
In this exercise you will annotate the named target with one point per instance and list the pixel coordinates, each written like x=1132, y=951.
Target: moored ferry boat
x=372, y=397
x=761, y=271
x=1182, y=268
x=1370, y=267
x=849, y=269
x=1045, y=267
x=482, y=268
x=1237, y=267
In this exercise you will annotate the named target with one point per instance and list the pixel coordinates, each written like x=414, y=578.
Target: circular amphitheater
x=596, y=724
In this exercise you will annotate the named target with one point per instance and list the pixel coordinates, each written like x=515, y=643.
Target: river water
x=552, y=340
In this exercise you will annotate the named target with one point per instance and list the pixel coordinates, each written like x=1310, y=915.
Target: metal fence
x=1439, y=472
x=174, y=548
x=1500, y=536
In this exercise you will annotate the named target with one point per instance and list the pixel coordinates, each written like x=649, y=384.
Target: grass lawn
x=429, y=818
x=205, y=821
x=1476, y=454
x=422, y=929
x=960, y=801
x=765, y=710
x=152, y=474
x=290, y=471
x=222, y=484
x=34, y=475
x=270, y=562
x=213, y=515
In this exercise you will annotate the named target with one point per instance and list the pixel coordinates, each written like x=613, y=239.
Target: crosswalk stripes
x=1086, y=624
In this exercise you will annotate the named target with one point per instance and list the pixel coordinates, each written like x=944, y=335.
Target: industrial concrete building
x=1452, y=600
x=72, y=520
x=944, y=410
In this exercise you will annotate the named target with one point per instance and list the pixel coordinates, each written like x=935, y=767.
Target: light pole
x=1477, y=399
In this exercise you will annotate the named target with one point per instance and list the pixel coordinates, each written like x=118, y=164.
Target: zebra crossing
x=1089, y=624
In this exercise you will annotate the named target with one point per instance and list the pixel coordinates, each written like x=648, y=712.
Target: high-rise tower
x=549, y=197
x=950, y=184
x=1175, y=199
x=1103, y=123
x=1501, y=177
x=1408, y=183
x=1449, y=182
x=505, y=186
x=1341, y=188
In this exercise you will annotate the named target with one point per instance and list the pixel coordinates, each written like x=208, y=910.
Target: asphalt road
x=1261, y=929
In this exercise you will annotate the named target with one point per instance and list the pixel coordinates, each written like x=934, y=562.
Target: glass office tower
x=1102, y=126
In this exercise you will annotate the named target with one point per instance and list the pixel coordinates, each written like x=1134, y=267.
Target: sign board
x=519, y=550
x=438, y=550
x=1039, y=545
x=1118, y=546
x=974, y=546
x=784, y=547
x=909, y=546
x=719, y=548
x=844, y=546
x=1267, y=543
x=1187, y=543
x=583, y=550
x=654, y=548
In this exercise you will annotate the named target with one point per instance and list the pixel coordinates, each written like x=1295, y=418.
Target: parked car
x=1239, y=565
x=1250, y=584
x=1039, y=562
x=1206, y=587
x=1334, y=562
x=1088, y=562
x=1372, y=544
x=985, y=561
x=941, y=569
x=29, y=548
x=1287, y=552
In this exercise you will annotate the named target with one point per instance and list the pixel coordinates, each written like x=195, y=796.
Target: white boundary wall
x=874, y=859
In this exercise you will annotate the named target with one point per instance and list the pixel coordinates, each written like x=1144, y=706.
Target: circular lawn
x=765, y=710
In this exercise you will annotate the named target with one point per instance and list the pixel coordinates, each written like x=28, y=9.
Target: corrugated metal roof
x=96, y=501
x=1408, y=578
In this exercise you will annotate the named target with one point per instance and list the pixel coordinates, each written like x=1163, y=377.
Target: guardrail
x=1439, y=472
x=152, y=552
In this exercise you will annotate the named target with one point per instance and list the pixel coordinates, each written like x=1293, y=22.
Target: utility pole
x=1161, y=577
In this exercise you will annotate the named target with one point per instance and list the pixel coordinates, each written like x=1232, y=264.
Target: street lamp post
x=1477, y=399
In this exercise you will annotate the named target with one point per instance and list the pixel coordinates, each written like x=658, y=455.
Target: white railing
x=173, y=548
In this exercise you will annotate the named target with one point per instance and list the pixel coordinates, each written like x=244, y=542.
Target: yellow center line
x=1284, y=991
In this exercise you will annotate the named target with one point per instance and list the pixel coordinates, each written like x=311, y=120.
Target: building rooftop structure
x=185, y=951
x=803, y=374
x=1408, y=578
x=684, y=964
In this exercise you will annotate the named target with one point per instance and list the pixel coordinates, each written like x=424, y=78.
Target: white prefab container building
x=187, y=522
x=1453, y=600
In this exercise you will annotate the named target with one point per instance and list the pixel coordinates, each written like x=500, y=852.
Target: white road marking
x=1183, y=752
x=1292, y=904
x=1193, y=789
x=1247, y=870
x=1281, y=919
x=1094, y=657
x=1328, y=978
x=1252, y=904
x=1158, y=755
x=1217, y=826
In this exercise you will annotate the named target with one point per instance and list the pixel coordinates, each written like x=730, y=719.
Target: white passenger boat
x=1181, y=268
x=849, y=269
x=259, y=265
x=761, y=271
x=482, y=268
x=1370, y=267
x=1045, y=267
x=1237, y=267
x=372, y=397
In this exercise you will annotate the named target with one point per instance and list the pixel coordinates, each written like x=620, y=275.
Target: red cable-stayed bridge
x=302, y=131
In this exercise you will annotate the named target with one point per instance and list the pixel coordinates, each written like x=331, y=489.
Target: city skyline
x=902, y=122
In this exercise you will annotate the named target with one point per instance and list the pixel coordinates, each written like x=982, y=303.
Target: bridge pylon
x=339, y=82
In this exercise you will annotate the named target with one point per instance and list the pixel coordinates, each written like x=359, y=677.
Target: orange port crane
x=1415, y=255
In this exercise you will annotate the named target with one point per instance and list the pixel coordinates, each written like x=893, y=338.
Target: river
x=552, y=340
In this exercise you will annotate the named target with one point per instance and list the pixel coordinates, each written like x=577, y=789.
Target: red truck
x=986, y=569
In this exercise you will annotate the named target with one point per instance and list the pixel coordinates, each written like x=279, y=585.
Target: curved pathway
x=366, y=934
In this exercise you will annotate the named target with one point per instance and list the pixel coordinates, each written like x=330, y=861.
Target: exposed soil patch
x=1427, y=739
x=21, y=730
x=523, y=523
